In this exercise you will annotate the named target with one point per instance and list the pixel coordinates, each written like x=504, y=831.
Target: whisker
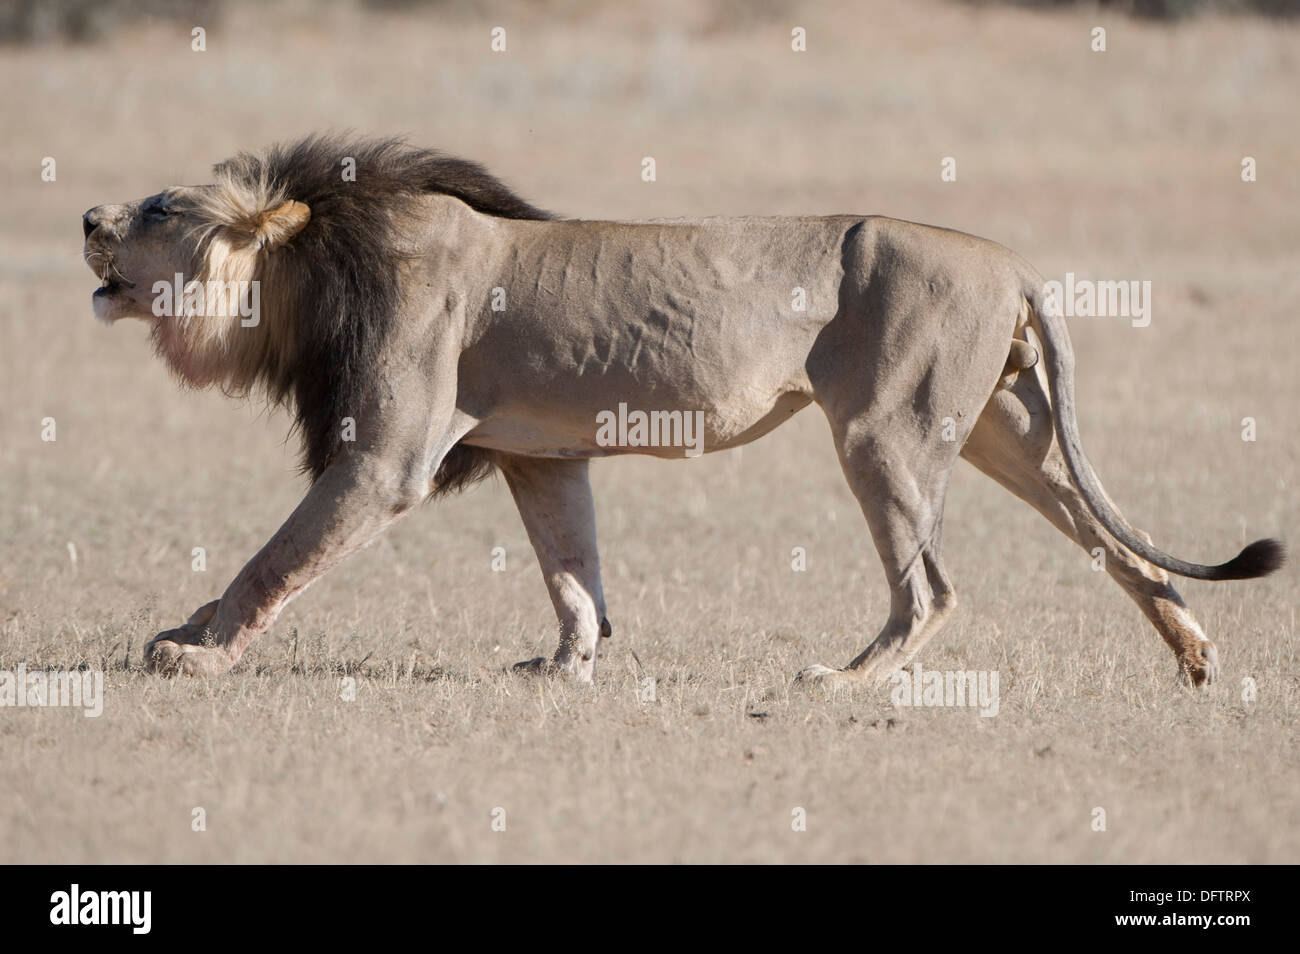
x=122, y=278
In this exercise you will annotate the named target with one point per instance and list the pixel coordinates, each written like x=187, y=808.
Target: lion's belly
x=636, y=427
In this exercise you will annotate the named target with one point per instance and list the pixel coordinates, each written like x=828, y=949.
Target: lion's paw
x=185, y=651
x=827, y=678
x=1200, y=669
x=541, y=666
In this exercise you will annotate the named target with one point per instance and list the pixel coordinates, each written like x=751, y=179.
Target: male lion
x=456, y=329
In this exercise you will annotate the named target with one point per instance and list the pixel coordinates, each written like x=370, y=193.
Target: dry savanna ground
x=1123, y=164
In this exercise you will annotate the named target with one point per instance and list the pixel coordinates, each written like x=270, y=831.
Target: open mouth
x=108, y=286
x=111, y=281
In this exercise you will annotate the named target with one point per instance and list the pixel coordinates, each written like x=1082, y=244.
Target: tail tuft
x=1258, y=559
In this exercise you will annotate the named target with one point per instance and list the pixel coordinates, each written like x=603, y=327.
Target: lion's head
x=192, y=259
x=313, y=233
x=139, y=247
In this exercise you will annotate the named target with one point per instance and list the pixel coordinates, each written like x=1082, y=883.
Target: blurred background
x=26, y=21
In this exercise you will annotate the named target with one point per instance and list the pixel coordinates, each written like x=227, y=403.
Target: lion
x=427, y=327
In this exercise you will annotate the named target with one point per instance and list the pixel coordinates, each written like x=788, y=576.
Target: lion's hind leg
x=1013, y=443
x=900, y=484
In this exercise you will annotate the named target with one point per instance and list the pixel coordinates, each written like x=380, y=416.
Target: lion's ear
x=276, y=226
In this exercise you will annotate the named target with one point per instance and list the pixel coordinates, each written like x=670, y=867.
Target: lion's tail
x=1258, y=559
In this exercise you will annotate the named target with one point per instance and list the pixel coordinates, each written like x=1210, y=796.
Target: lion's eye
x=159, y=211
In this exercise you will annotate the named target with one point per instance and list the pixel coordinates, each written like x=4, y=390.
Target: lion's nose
x=89, y=221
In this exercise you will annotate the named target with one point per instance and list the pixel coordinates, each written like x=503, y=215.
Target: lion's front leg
x=554, y=500
x=346, y=508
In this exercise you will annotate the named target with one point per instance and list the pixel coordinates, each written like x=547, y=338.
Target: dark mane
x=339, y=284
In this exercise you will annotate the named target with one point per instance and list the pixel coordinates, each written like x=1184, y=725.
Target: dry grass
x=1118, y=165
